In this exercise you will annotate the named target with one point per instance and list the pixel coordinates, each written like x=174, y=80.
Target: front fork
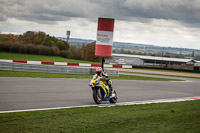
x=107, y=93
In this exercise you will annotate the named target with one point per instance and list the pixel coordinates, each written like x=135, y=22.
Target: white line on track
x=111, y=105
x=182, y=81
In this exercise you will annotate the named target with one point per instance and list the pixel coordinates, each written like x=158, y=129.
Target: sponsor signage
x=104, y=39
x=68, y=33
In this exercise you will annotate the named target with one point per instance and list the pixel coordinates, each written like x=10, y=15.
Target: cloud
x=159, y=22
x=185, y=11
x=158, y=32
x=47, y=10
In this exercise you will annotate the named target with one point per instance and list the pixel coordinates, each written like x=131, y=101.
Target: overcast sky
x=174, y=23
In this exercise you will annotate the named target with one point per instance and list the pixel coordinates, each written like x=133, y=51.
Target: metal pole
x=102, y=63
x=68, y=34
x=162, y=51
x=67, y=39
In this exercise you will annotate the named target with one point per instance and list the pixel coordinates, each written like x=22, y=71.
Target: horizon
x=15, y=33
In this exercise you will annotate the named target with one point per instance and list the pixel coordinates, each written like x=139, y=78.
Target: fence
x=51, y=69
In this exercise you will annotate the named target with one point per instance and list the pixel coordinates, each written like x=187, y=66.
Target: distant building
x=146, y=60
x=196, y=63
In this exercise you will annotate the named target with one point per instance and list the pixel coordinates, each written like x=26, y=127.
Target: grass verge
x=55, y=75
x=161, y=74
x=179, y=117
x=32, y=57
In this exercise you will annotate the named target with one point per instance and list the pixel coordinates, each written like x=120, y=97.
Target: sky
x=173, y=23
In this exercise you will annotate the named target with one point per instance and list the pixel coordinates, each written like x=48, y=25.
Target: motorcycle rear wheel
x=97, y=96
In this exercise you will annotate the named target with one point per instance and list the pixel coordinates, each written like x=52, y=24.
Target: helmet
x=98, y=70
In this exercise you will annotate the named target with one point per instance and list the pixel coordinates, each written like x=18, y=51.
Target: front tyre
x=97, y=96
x=113, y=99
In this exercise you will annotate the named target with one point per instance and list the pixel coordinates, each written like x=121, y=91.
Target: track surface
x=34, y=93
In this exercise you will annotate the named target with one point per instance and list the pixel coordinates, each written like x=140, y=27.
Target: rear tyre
x=97, y=96
x=113, y=99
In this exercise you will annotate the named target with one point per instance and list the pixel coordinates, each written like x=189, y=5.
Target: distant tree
x=62, y=45
x=28, y=37
x=34, y=43
x=39, y=38
x=74, y=52
x=88, y=52
x=8, y=39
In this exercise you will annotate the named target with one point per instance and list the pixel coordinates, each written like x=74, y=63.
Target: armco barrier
x=110, y=72
x=51, y=69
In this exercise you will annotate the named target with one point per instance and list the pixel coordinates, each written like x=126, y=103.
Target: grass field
x=163, y=70
x=179, y=117
x=32, y=57
x=55, y=75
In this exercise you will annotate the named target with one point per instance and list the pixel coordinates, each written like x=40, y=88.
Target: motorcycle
x=102, y=92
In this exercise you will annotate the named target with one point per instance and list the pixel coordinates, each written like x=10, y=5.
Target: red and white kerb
x=104, y=40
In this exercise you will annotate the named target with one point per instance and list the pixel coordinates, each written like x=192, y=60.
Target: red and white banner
x=104, y=39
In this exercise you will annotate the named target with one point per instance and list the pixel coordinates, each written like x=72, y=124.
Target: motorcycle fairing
x=104, y=89
x=105, y=93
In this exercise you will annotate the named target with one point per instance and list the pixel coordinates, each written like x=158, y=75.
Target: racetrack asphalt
x=35, y=93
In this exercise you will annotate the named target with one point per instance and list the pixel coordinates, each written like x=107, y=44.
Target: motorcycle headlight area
x=96, y=82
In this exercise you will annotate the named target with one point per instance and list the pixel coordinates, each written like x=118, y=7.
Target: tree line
x=42, y=44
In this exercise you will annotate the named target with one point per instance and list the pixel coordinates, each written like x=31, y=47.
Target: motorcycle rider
x=100, y=73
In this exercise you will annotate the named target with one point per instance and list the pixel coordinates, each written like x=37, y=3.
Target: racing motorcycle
x=102, y=92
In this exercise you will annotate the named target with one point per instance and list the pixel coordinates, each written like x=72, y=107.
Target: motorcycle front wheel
x=97, y=96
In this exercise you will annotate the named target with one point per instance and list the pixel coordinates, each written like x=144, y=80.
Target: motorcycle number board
x=104, y=41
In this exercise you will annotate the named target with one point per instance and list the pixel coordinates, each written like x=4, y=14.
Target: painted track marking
x=111, y=105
